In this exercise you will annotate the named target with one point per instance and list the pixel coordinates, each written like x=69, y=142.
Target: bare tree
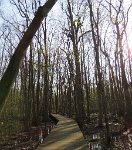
x=120, y=22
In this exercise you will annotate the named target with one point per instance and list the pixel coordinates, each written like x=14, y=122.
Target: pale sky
x=8, y=9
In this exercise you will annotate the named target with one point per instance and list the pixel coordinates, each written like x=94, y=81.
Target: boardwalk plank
x=65, y=136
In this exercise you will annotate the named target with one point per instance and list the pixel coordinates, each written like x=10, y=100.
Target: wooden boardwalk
x=65, y=136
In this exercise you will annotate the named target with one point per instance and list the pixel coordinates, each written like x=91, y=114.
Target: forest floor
x=28, y=140
x=120, y=133
x=95, y=136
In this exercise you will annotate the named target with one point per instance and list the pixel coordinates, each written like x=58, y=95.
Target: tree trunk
x=96, y=42
x=78, y=84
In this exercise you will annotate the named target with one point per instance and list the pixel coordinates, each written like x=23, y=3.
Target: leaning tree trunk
x=15, y=62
